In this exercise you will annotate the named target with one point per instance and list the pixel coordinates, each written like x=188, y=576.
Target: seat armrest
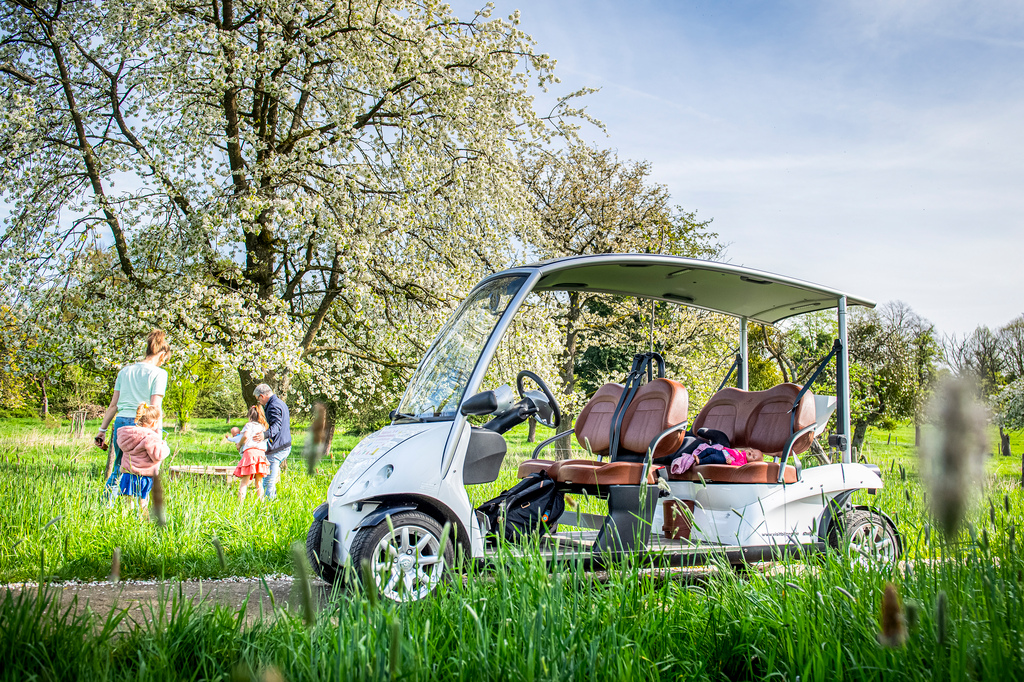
x=786, y=451
x=549, y=441
x=654, y=446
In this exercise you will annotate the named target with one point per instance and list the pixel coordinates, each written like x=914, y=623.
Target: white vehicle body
x=420, y=461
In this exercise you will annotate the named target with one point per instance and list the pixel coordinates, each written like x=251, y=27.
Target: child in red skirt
x=254, y=464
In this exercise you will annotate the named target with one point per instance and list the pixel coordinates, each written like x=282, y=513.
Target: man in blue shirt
x=279, y=435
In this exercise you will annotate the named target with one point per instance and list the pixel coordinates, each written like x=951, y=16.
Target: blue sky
x=876, y=147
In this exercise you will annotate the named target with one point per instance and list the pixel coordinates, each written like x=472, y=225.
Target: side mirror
x=480, y=404
x=489, y=402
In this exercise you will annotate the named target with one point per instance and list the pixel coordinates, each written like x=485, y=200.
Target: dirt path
x=139, y=598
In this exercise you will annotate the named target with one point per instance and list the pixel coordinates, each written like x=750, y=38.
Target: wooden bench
x=226, y=472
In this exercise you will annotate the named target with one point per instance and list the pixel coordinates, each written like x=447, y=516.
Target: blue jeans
x=115, y=475
x=270, y=480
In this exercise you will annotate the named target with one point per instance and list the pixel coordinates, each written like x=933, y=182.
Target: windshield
x=437, y=386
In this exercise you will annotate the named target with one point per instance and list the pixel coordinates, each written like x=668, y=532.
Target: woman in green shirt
x=137, y=383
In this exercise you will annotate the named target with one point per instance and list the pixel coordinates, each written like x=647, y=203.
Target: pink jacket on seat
x=142, y=450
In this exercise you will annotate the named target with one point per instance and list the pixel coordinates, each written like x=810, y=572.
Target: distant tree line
x=995, y=360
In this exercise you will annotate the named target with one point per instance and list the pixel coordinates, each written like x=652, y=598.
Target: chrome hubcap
x=407, y=563
x=871, y=544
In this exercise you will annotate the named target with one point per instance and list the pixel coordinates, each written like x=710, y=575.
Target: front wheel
x=869, y=538
x=328, y=572
x=406, y=559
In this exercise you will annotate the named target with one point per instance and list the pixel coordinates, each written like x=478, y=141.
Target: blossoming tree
x=297, y=187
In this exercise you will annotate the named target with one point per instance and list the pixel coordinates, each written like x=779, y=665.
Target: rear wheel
x=328, y=572
x=406, y=560
x=868, y=537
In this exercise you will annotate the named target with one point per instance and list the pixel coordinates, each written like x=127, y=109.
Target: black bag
x=532, y=506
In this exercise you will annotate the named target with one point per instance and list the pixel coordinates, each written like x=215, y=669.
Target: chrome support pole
x=744, y=369
x=843, y=383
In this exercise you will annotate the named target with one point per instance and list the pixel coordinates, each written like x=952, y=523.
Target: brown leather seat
x=771, y=422
x=759, y=421
x=553, y=466
x=754, y=472
x=656, y=406
x=600, y=474
x=594, y=425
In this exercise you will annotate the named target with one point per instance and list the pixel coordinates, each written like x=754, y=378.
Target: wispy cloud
x=873, y=146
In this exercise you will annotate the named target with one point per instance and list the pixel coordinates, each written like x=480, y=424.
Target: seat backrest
x=728, y=411
x=657, y=405
x=771, y=422
x=594, y=424
x=759, y=419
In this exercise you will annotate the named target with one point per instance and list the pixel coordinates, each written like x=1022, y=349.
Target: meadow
x=810, y=620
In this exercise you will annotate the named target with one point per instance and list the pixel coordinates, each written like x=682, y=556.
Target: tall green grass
x=53, y=517
x=816, y=619
x=521, y=622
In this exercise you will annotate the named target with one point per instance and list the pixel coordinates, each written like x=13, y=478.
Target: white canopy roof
x=730, y=289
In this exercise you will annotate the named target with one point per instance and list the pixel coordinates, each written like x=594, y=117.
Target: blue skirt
x=133, y=484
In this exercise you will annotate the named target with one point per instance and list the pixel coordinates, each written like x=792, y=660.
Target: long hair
x=256, y=414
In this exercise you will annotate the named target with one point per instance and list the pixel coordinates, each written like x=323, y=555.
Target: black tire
x=867, y=537
x=327, y=572
x=415, y=543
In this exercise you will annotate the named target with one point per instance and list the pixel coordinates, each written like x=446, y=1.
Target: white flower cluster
x=300, y=190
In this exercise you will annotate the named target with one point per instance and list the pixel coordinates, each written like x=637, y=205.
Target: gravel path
x=139, y=598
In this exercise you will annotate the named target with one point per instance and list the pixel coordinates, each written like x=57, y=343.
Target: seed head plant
x=159, y=507
x=894, y=622
x=303, y=584
x=953, y=459
x=220, y=552
x=941, y=614
x=315, y=447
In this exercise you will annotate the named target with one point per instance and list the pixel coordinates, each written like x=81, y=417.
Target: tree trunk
x=917, y=435
x=532, y=437
x=249, y=383
x=1004, y=443
x=860, y=429
x=563, y=446
x=45, y=410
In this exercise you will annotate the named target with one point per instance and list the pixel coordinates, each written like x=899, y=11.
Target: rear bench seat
x=759, y=422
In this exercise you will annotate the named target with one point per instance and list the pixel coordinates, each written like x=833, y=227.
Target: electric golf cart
x=397, y=491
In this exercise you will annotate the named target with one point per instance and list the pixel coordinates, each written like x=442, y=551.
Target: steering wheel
x=556, y=412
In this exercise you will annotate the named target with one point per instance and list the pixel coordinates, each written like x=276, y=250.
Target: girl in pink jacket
x=142, y=451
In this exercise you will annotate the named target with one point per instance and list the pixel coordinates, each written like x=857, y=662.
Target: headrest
x=657, y=405
x=595, y=421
